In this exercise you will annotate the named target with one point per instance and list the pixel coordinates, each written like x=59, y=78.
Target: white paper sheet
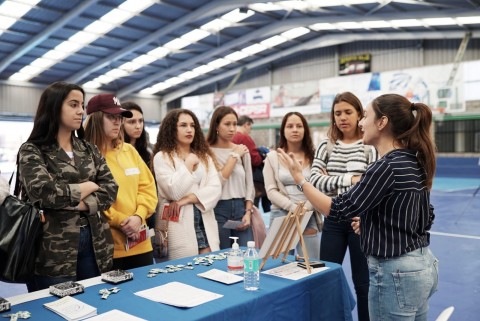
x=115, y=315
x=221, y=276
x=178, y=294
x=292, y=272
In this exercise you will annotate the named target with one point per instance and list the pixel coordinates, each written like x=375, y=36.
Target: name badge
x=132, y=171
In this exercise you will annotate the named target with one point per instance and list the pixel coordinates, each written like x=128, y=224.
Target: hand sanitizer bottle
x=235, y=258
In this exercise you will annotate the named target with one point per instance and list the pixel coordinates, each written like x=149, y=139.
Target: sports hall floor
x=455, y=240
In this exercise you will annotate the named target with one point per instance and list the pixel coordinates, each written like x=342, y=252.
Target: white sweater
x=175, y=181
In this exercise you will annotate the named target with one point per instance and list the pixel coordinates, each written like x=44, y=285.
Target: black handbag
x=20, y=232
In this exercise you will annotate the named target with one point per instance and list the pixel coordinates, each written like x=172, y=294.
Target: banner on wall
x=356, y=64
x=426, y=84
x=302, y=97
x=201, y=106
x=254, y=102
x=471, y=80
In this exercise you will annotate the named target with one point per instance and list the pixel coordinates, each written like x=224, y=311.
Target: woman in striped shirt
x=339, y=163
x=392, y=199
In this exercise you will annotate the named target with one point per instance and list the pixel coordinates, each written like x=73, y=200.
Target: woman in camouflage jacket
x=69, y=179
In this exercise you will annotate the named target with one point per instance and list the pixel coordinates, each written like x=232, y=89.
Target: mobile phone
x=313, y=264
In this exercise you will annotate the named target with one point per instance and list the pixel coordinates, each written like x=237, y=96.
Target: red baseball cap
x=107, y=103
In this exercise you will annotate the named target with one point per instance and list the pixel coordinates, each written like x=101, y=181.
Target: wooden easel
x=283, y=241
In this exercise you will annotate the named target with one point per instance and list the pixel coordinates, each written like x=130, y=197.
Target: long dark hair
x=141, y=143
x=333, y=132
x=49, y=111
x=167, y=137
x=307, y=144
x=218, y=114
x=410, y=125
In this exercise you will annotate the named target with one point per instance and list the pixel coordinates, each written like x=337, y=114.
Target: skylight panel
x=92, y=84
x=177, y=44
x=159, y=52
x=174, y=81
x=189, y=75
x=43, y=63
x=439, y=21
x=406, y=23
x=83, y=37
x=376, y=24
x=295, y=32
x=195, y=35
x=136, y=6
x=236, y=56
x=219, y=63
x=236, y=15
x=273, y=41
x=468, y=20
x=349, y=25
x=99, y=27
x=203, y=69
x=253, y=49
x=116, y=16
x=322, y=26
x=144, y=59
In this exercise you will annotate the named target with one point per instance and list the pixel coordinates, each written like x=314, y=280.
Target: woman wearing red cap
x=137, y=196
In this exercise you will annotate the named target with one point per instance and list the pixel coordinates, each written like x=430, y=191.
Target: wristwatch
x=300, y=185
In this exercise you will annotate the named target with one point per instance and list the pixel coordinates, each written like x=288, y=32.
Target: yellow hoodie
x=137, y=195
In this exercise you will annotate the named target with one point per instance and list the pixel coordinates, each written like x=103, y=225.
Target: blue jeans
x=233, y=209
x=86, y=265
x=336, y=238
x=401, y=286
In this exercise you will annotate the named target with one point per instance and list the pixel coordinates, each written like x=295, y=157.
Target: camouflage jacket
x=49, y=180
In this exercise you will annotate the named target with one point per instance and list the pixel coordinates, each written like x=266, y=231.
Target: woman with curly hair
x=188, y=182
x=235, y=171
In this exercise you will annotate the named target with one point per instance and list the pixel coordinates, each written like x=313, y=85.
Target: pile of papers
x=71, y=309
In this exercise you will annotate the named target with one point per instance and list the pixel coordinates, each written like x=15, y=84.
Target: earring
x=334, y=124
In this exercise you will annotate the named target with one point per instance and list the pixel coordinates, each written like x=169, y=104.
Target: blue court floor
x=455, y=240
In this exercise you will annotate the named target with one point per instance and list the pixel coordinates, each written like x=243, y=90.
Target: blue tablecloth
x=322, y=296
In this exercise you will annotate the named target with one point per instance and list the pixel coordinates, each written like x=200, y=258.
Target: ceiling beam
x=320, y=42
x=210, y=9
x=22, y=50
x=271, y=29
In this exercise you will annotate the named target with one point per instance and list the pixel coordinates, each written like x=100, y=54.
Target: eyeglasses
x=114, y=118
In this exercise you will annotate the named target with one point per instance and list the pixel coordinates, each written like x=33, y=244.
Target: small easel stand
x=283, y=241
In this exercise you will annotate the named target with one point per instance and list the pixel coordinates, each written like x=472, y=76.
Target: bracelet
x=235, y=155
x=249, y=210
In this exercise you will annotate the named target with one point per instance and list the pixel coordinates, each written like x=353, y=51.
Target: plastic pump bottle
x=251, y=276
x=235, y=258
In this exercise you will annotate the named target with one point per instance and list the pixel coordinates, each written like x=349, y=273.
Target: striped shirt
x=344, y=161
x=393, y=203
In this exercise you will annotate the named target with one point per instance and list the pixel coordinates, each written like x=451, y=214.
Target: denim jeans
x=312, y=242
x=232, y=209
x=336, y=238
x=86, y=265
x=401, y=286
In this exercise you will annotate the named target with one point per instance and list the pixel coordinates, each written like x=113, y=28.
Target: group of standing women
x=98, y=192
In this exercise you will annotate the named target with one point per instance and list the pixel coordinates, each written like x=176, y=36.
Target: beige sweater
x=174, y=181
x=276, y=192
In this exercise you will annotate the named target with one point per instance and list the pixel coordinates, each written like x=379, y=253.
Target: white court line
x=463, y=236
